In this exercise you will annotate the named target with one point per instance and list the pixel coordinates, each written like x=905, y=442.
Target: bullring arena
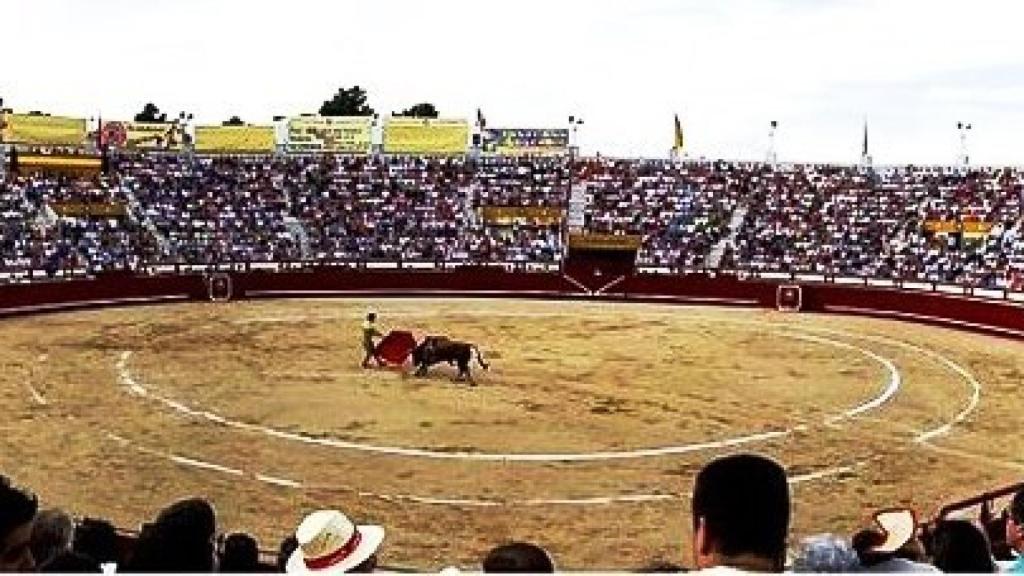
x=596, y=413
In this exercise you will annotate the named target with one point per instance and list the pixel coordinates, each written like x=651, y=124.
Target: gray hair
x=52, y=535
x=825, y=553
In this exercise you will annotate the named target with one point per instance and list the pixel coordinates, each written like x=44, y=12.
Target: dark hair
x=18, y=506
x=1017, y=507
x=519, y=557
x=72, y=563
x=239, y=554
x=960, y=546
x=744, y=502
x=288, y=545
x=98, y=539
x=371, y=316
x=181, y=540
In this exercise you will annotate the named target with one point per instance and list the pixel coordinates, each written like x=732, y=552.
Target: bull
x=436, y=349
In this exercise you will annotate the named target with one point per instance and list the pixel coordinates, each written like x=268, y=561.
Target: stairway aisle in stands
x=578, y=204
x=137, y=213
x=715, y=258
x=298, y=232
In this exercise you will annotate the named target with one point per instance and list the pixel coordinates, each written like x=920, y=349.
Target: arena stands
x=946, y=225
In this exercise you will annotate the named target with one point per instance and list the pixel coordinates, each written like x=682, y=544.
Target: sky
x=910, y=69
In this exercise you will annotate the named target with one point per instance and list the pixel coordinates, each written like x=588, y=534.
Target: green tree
x=234, y=121
x=150, y=113
x=347, y=102
x=421, y=110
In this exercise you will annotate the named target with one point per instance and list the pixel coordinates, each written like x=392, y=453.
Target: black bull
x=436, y=349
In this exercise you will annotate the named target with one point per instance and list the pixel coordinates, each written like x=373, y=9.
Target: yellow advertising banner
x=84, y=210
x=59, y=162
x=942, y=226
x=505, y=215
x=605, y=241
x=143, y=135
x=234, y=139
x=42, y=130
x=425, y=136
x=344, y=134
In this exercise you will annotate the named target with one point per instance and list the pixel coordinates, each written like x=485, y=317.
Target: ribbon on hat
x=337, y=556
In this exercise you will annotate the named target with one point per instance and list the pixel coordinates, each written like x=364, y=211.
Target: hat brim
x=899, y=527
x=372, y=538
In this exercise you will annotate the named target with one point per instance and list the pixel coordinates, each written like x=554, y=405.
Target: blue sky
x=911, y=68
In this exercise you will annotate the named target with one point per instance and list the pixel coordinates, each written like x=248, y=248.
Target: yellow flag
x=677, y=143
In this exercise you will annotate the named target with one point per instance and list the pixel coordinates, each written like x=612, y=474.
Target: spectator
x=284, y=552
x=97, y=539
x=825, y=553
x=239, y=555
x=69, y=562
x=17, y=516
x=741, y=514
x=52, y=535
x=330, y=543
x=518, y=557
x=891, y=545
x=181, y=540
x=1015, y=530
x=960, y=546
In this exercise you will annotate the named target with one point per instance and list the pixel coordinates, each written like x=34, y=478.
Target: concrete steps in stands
x=715, y=258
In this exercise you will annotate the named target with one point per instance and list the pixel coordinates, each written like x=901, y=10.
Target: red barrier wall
x=991, y=316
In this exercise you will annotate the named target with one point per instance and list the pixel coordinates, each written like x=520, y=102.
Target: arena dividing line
x=37, y=396
x=455, y=502
x=894, y=382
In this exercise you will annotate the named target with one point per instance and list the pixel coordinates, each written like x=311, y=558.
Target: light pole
x=772, y=156
x=964, y=128
x=574, y=124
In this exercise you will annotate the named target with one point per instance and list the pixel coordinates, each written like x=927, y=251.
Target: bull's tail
x=480, y=358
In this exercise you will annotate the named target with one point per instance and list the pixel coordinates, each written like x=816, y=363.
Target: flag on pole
x=480, y=120
x=677, y=142
x=864, y=152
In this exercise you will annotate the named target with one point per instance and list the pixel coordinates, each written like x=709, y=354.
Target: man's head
x=1015, y=522
x=519, y=557
x=371, y=317
x=52, y=534
x=17, y=516
x=741, y=514
x=186, y=532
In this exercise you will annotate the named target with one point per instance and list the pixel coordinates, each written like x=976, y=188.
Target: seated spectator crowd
x=954, y=225
x=740, y=512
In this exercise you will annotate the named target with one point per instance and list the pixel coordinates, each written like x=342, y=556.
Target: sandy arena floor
x=584, y=435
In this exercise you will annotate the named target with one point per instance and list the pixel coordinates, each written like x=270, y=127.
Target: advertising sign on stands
x=143, y=135
x=523, y=141
x=234, y=139
x=425, y=136
x=343, y=134
x=40, y=130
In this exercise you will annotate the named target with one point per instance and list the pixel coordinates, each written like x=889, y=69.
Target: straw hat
x=899, y=525
x=329, y=543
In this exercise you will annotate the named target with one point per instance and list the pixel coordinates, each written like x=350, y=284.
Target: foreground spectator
x=181, y=540
x=825, y=553
x=52, y=535
x=960, y=546
x=330, y=543
x=240, y=555
x=661, y=567
x=518, y=557
x=97, y=539
x=1015, y=531
x=71, y=563
x=284, y=552
x=741, y=514
x=891, y=545
x=17, y=515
